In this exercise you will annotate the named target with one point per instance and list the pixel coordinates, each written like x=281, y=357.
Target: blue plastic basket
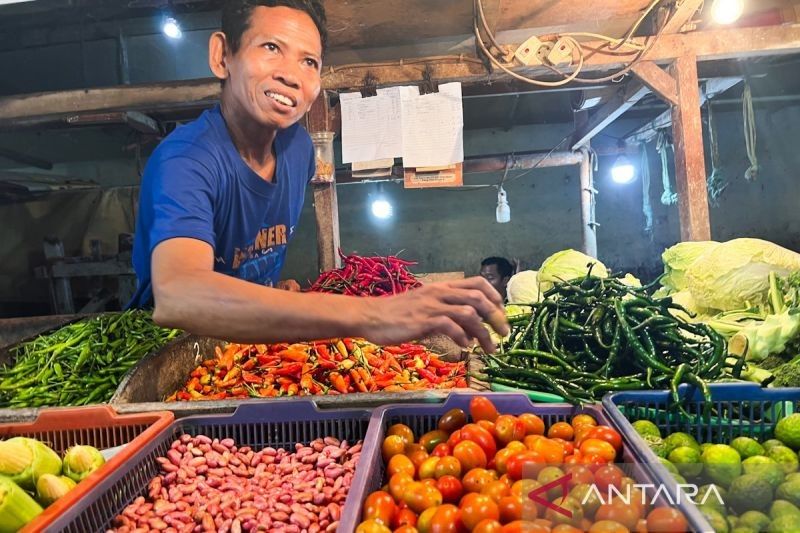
x=737, y=409
x=257, y=424
x=422, y=418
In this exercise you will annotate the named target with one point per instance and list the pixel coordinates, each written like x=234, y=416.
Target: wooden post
x=690, y=167
x=320, y=118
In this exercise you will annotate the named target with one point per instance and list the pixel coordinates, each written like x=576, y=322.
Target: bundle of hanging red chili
x=368, y=276
x=336, y=366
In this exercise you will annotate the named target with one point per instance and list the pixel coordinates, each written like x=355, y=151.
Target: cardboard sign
x=428, y=178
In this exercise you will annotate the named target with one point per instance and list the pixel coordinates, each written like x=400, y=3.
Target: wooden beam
x=690, y=166
x=706, y=45
x=323, y=118
x=611, y=111
x=712, y=88
x=684, y=12
x=657, y=80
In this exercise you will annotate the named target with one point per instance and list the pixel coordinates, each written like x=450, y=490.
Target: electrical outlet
x=528, y=52
x=561, y=54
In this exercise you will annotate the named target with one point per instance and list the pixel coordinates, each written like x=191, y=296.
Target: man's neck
x=253, y=142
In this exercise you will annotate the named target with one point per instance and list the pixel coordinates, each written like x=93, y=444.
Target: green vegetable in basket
x=50, y=488
x=755, y=520
x=790, y=491
x=17, y=508
x=722, y=464
x=788, y=374
x=80, y=461
x=646, y=428
x=567, y=265
x=680, y=439
x=24, y=460
x=715, y=518
x=765, y=468
x=781, y=508
x=749, y=493
x=785, y=457
x=747, y=447
x=788, y=431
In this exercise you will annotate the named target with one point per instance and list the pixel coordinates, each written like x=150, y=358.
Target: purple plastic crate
x=279, y=424
x=422, y=418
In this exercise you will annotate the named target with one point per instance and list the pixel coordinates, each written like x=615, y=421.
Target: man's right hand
x=457, y=309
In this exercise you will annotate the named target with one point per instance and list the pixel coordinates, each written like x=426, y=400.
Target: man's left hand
x=289, y=285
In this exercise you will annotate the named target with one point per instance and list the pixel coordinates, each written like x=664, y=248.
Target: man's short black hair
x=236, y=17
x=504, y=267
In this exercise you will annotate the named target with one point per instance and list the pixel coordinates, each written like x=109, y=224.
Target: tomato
x=522, y=526
x=454, y=438
x=428, y=468
x=488, y=426
x=608, y=526
x=552, y=474
x=480, y=408
x=663, y=519
x=430, y=481
x=441, y=450
x=566, y=528
x=527, y=464
x=400, y=464
x=510, y=508
x=403, y=431
x=638, y=498
x=392, y=445
x=477, y=507
x=424, y=520
x=599, y=447
x=561, y=430
x=627, y=515
x=509, y=428
x=419, y=496
x=372, y=526
x=445, y=519
x=430, y=439
x=501, y=459
x=477, y=478
x=379, y=506
x=607, y=434
x=608, y=475
x=417, y=458
x=487, y=525
x=641, y=527
x=470, y=455
x=404, y=517
x=522, y=490
x=552, y=452
x=583, y=420
x=580, y=434
x=452, y=420
x=496, y=490
x=534, y=425
x=569, y=446
x=580, y=475
x=451, y=489
x=593, y=461
x=406, y=529
x=481, y=437
x=447, y=466
x=398, y=484
x=570, y=506
x=589, y=498
x=530, y=440
x=414, y=447
x=574, y=459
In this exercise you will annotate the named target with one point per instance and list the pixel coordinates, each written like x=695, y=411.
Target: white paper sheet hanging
x=433, y=126
x=371, y=127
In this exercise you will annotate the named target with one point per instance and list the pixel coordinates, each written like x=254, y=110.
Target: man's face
x=274, y=77
x=490, y=274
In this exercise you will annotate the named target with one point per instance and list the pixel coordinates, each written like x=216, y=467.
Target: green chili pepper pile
x=81, y=363
x=594, y=335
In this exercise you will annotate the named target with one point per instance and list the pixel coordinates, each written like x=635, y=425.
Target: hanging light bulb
x=623, y=171
x=171, y=28
x=503, y=212
x=727, y=11
x=381, y=207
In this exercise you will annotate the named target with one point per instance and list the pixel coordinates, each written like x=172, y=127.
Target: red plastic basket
x=99, y=426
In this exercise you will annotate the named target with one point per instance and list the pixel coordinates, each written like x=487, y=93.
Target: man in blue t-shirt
x=221, y=198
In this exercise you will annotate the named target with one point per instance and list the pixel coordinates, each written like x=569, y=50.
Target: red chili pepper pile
x=336, y=366
x=368, y=276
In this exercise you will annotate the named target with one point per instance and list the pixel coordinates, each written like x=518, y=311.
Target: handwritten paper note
x=371, y=126
x=433, y=126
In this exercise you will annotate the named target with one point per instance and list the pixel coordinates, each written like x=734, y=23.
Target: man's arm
x=190, y=295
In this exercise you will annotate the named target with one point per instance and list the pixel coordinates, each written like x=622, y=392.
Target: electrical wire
x=749, y=118
x=638, y=23
x=477, y=4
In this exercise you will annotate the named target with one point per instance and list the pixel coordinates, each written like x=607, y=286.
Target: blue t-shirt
x=197, y=185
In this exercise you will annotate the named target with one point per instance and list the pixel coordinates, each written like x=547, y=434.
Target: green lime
x=715, y=518
x=656, y=444
x=669, y=466
x=789, y=491
x=781, y=508
x=765, y=468
x=793, y=476
x=747, y=447
x=785, y=524
x=722, y=464
x=732, y=521
x=687, y=460
x=680, y=479
x=705, y=446
x=711, y=495
x=645, y=428
x=788, y=431
x=784, y=457
x=749, y=493
x=754, y=520
x=771, y=443
x=743, y=529
x=676, y=440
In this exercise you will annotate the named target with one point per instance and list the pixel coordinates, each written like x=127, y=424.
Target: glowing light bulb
x=727, y=11
x=171, y=28
x=623, y=171
x=382, y=208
